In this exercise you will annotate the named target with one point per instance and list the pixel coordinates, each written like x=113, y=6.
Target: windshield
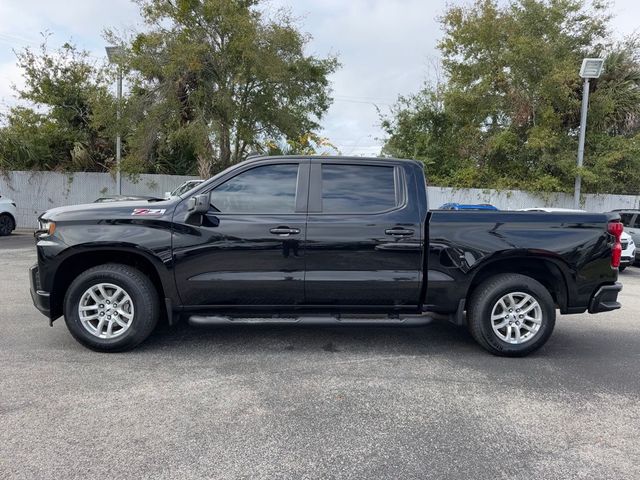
x=185, y=187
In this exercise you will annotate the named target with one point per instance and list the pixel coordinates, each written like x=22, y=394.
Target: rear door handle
x=399, y=232
x=285, y=231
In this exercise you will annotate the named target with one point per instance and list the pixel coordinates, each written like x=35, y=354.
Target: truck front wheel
x=111, y=307
x=511, y=315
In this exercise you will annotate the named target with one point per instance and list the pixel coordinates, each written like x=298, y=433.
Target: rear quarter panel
x=464, y=243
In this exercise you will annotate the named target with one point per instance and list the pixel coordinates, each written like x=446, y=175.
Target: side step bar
x=347, y=320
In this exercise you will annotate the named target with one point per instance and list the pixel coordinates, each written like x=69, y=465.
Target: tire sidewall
x=547, y=306
x=10, y=226
x=145, y=313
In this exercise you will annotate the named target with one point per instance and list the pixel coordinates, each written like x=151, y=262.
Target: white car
x=628, y=251
x=7, y=216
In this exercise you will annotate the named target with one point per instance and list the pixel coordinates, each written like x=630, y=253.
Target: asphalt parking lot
x=315, y=402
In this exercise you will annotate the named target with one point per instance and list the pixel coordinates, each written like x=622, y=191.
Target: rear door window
x=358, y=188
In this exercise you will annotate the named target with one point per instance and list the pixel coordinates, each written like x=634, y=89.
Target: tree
x=307, y=144
x=215, y=79
x=420, y=128
x=60, y=131
x=509, y=111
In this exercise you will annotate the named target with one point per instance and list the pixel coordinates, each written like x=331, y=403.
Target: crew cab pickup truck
x=320, y=240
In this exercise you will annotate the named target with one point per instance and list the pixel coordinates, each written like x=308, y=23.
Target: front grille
x=625, y=245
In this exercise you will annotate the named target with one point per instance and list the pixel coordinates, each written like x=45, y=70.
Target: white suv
x=628, y=251
x=7, y=216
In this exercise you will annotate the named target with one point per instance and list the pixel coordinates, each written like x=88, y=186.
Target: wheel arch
x=81, y=260
x=551, y=273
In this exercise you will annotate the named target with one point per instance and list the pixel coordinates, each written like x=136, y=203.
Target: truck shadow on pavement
x=569, y=342
x=436, y=337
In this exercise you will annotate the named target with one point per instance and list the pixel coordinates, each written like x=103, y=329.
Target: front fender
x=74, y=247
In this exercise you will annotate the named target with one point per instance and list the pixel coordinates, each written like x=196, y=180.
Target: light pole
x=591, y=68
x=114, y=54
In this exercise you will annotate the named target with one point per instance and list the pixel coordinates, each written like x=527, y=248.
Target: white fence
x=35, y=192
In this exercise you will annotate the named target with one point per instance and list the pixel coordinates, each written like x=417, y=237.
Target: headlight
x=47, y=227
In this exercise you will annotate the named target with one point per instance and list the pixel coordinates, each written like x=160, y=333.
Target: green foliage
x=306, y=144
x=209, y=81
x=60, y=131
x=420, y=128
x=216, y=79
x=508, y=115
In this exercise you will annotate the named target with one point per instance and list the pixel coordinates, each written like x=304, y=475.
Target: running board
x=347, y=320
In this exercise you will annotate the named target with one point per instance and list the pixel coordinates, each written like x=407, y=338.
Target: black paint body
x=406, y=259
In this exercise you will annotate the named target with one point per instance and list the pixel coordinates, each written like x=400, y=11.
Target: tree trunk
x=204, y=166
x=225, y=146
x=205, y=160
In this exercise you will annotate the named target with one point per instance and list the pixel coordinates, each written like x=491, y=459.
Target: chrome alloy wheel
x=106, y=310
x=516, y=318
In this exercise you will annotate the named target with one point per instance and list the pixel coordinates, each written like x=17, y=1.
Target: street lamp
x=114, y=54
x=591, y=68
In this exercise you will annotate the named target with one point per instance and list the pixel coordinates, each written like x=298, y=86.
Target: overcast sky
x=386, y=48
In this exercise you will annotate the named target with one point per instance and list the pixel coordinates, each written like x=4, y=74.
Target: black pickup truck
x=320, y=240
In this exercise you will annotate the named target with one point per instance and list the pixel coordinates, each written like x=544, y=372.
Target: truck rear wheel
x=511, y=315
x=111, y=308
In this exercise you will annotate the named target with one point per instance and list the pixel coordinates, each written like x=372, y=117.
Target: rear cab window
x=359, y=188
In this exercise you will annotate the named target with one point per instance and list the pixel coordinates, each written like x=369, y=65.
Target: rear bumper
x=40, y=298
x=605, y=299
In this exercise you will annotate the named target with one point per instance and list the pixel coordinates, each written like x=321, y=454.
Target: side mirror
x=199, y=204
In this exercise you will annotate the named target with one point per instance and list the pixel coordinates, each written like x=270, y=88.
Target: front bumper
x=41, y=299
x=626, y=261
x=605, y=299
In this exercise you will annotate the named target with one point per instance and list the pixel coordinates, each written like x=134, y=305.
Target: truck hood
x=112, y=210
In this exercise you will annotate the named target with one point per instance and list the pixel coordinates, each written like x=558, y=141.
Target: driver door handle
x=284, y=231
x=399, y=232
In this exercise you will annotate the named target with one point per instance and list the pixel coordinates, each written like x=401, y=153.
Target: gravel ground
x=287, y=402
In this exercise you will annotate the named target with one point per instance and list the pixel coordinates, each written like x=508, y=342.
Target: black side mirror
x=199, y=204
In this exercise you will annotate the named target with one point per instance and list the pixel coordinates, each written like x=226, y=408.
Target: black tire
x=621, y=268
x=143, y=295
x=487, y=295
x=7, y=225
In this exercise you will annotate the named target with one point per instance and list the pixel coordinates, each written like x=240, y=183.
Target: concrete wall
x=35, y=192
x=515, y=199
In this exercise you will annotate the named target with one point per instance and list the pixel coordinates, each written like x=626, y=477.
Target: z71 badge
x=154, y=212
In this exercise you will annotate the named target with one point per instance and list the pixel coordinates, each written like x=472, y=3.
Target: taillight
x=616, y=229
